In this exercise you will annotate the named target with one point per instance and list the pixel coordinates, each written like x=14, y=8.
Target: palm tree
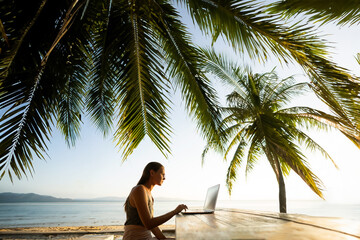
x=117, y=60
x=257, y=122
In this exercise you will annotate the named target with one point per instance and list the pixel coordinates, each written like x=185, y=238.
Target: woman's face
x=159, y=176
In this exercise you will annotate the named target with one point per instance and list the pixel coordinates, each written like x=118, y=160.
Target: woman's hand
x=179, y=208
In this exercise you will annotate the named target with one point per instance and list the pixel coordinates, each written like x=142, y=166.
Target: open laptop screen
x=211, y=197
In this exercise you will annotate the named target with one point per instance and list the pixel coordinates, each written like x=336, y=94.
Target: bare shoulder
x=137, y=195
x=138, y=190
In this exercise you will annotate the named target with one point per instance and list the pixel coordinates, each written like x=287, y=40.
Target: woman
x=140, y=221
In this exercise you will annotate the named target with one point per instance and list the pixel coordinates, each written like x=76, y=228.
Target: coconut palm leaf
x=16, y=38
x=184, y=65
x=25, y=131
x=285, y=92
x=3, y=35
x=320, y=119
x=30, y=103
x=303, y=116
x=143, y=105
x=234, y=165
x=294, y=159
x=300, y=168
x=249, y=29
x=224, y=70
x=73, y=53
x=235, y=141
x=103, y=68
x=339, y=12
x=312, y=145
x=71, y=86
x=254, y=153
x=335, y=90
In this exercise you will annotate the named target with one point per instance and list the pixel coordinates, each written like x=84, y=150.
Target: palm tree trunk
x=275, y=164
x=282, y=192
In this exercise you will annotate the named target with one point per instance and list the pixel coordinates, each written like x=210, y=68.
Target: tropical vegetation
x=258, y=121
x=117, y=61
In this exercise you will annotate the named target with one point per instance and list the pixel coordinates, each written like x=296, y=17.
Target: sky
x=93, y=168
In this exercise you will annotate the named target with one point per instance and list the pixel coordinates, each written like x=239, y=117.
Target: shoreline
x=69, y=232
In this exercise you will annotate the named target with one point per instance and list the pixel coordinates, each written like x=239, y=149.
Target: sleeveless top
x=132, y=215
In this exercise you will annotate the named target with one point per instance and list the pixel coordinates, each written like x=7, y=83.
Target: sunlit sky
x=93, y=168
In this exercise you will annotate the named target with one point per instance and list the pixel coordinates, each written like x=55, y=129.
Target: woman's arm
x=158, y=233
x=139, y=198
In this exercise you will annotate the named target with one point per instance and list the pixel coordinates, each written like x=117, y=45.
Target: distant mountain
x=8, y=197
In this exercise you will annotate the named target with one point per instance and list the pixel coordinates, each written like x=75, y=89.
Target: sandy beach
x=70, y=232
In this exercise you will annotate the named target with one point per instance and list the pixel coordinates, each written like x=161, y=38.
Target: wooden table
x=254, y=225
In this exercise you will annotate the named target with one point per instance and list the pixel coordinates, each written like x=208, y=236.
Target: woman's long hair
x=155, y=166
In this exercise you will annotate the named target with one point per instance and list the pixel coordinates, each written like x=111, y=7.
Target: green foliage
x=117, y=60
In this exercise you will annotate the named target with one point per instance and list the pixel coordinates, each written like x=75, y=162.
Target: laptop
x=210, y=202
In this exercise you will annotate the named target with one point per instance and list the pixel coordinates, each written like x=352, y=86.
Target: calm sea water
x=112, y=213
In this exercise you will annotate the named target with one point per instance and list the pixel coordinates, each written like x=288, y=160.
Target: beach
x=70, y=232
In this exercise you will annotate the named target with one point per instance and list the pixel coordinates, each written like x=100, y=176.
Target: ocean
x=51, y=214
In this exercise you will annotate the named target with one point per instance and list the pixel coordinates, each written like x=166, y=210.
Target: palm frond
x=223, y=69
x=234, y=165
x=320, y=119
x=339, y=12
x=71, y=92
x=237, y=139
x=184, y=66
x=284, y=91
x=229, y=131
x=100, y=99
x=238, y=104
x=207, y=147
x=249, y=29
x=307, y=115
x=25, y=129
x=301, y=117
x=16, y=38
x=300, y=168
x=72, y=53
x=142, y=85
x=312, y=145
x=26, y=125
x=253, y=155
x=337, y=89
x=3, y=35
x=269, y=155
x=358, y=58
